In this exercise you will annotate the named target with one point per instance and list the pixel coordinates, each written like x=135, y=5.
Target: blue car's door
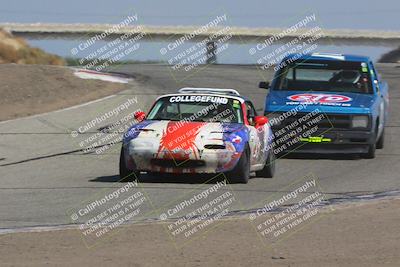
x=381, y=90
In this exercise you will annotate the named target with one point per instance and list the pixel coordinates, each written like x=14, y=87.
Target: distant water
x=339, y=14
x=235, y=54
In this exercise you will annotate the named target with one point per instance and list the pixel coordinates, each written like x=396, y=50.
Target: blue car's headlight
x=360, y=121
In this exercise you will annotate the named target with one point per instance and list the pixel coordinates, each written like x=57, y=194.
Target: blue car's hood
x=329, y=102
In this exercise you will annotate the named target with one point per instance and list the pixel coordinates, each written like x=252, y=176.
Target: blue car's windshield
x=319, y=75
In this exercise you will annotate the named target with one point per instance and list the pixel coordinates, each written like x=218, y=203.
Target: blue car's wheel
x=381, y=141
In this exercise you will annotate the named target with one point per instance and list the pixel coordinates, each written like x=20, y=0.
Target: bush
x=8, y=53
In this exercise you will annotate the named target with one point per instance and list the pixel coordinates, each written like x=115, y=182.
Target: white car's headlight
x=360, y=121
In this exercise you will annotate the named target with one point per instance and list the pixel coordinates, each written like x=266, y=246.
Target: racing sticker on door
x=320, y=99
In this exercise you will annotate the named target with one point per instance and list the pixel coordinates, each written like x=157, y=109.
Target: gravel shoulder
x=364, y=234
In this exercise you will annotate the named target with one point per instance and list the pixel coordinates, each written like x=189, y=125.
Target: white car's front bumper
x=147, y=157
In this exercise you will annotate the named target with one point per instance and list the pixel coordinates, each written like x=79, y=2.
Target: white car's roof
x=220, y=92
x=219, y=95
x=209, y=90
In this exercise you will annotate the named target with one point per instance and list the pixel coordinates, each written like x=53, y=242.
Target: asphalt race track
x=44, y=173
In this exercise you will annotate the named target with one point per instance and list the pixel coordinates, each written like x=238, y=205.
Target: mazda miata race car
x=199, y=130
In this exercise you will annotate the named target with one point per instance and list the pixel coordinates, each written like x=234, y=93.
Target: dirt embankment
x=16, y=50
x=31, y=89
x=391, y=57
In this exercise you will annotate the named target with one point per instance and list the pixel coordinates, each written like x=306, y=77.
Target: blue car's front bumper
x=339, y=141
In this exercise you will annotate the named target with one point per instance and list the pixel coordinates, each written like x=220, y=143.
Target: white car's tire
x=241, y=172
x=125, y=174
x=269, y=168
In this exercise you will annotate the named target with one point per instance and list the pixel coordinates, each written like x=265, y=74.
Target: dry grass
x=16, y=50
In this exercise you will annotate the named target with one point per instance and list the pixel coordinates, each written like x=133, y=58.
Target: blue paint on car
x=344, y=88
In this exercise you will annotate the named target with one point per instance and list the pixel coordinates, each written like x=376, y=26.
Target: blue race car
x=327, y=103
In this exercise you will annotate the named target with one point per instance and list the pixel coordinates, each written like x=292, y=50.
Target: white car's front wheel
x=125, y=174
x=241, y=172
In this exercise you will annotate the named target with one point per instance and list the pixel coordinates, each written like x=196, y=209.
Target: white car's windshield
x=204, y=108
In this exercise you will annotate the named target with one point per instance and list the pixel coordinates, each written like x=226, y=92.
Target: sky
x=341, y=14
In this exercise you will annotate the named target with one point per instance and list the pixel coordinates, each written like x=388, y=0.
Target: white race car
x=199, y=130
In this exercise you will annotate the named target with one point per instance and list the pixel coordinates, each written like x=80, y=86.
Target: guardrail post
x=211, y=55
